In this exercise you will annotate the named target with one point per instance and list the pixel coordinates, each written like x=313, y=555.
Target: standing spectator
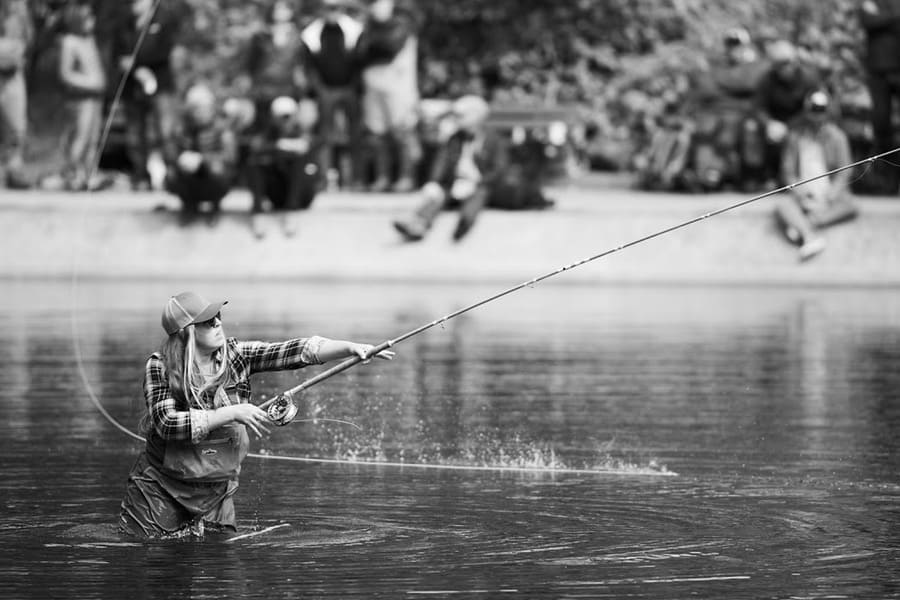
x=273, y=62
x=332, y=69
x=84, y=79
x=463, y=170
x=782, y=91
x=16, y=33
x=206, y=151
x=815, y=145
x=388, y=50
x=881, y=21
x=148, y=99
x=281, y=165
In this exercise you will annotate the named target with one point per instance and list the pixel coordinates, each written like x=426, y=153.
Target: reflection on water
x=777, y=408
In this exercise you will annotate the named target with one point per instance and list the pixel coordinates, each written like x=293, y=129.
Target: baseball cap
x=736, y=36
x=818, y=101
x=188, y=308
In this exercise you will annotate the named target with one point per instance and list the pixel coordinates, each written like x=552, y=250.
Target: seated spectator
x=16, y=34
x=333, y=74
x=84, y=80
x=388, y=50
x=204, y=168
x=814, y=146
x=780, y=96
x=281, y=167
x=473, y=169
x=728, y=145
x=665, y=163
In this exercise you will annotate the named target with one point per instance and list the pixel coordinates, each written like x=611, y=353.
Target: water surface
x=744, y=443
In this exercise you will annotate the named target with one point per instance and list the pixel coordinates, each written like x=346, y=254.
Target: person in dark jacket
x=333, y=78
x=780, y=96
x=206, y=152
x=198, y=396
x=464, y=168
x=881, y=21
x=148, y=98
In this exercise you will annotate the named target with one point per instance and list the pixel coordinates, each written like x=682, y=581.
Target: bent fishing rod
x=282, y=409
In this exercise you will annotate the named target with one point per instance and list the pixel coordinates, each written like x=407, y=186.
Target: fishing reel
x=282, y=410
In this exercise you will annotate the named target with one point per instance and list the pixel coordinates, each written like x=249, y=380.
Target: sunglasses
x=211, y=322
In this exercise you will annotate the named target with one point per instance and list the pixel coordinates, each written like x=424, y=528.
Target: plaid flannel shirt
x=172, y=420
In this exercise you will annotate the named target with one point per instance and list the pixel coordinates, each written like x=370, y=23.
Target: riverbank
x=118, y=234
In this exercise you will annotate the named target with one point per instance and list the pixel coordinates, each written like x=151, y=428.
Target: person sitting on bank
x=198, y=398
x=206, y=153
x=281, y=166
x=814, y=146
x=461, y=172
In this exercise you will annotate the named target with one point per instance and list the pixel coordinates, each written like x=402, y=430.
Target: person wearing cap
x=282, y=171
x=815, y=145
x=205, y=150
x=272, y=66
x=198, y=398
x=464, y=167
x=780, y=96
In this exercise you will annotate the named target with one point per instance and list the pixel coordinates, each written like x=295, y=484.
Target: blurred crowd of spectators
x=326, y=98
x=333, y=90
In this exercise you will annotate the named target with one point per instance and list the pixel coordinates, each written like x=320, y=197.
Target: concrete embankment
x=122, y=235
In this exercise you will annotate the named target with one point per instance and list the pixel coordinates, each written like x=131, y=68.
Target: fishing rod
x=281, y=409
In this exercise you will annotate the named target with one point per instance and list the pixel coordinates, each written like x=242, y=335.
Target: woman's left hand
x=363, y=350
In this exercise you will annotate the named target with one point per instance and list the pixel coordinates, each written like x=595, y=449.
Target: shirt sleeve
x=169, y=422
x=279, y=356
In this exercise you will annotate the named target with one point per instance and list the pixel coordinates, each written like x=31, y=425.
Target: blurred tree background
x=614, y=63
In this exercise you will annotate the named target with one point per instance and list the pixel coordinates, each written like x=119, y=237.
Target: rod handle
x=338, y=368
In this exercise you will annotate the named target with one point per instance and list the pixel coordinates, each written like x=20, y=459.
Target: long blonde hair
x=187, y=384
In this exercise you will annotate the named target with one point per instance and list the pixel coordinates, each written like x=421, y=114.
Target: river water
x=562, y=442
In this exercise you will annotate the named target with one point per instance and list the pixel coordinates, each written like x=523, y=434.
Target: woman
x=197, y=392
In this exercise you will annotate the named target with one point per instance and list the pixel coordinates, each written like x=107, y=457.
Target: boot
x=15, y=180
x=468, y=212
x=382, y=159
x=408, y=153
x=414, y=228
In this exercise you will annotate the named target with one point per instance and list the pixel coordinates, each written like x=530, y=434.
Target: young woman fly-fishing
x=198, y=399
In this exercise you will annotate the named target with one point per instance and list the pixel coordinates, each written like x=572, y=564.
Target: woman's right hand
x=252, y=416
